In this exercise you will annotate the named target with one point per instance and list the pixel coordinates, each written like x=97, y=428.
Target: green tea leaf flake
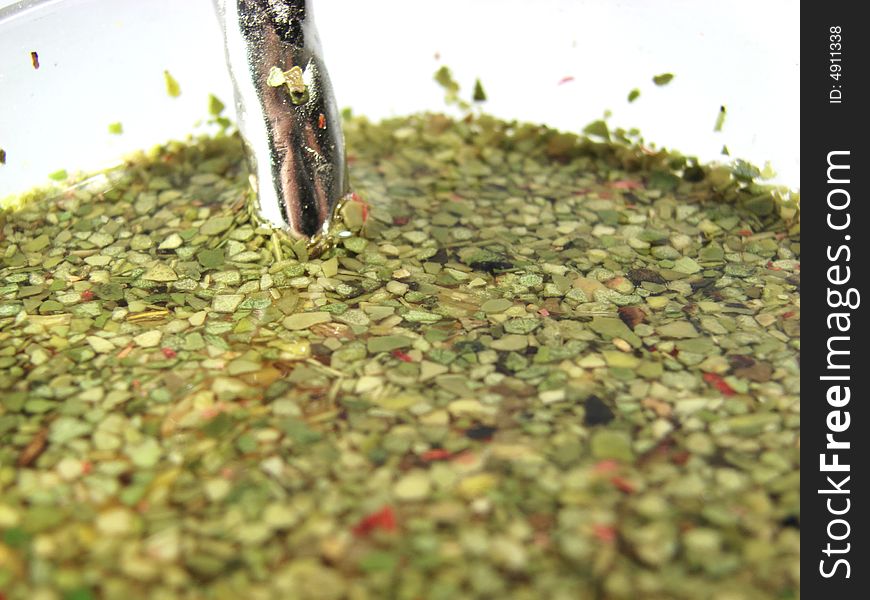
x=745, y=171
x=276, y=77
x=2, y=156
x=479, y=95
x=663, y=79
x=172, y=87
x=116, y=128
x=445, y=79
x=633, y=95
x=597, y=128
x=768, y=172
x=215, y=106
x=58, y=175
x=720, y=118
x=292, y=79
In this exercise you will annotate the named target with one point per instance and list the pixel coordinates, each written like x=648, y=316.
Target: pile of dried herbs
x=548, y=368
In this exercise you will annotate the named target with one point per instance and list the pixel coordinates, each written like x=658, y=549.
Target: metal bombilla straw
x=287, y=115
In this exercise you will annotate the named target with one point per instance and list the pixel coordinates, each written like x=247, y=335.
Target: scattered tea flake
x=65, y=429
x=330, y=267
x=720, y=121
x=663, y=79
x=172, y=87
x=480, y=432
x=34, y=448
x=631, y=315
x=241, y=366
x=215, y=106
x=172, y=242
x=607, y=443
x=100, y=345
x=677, y=330
x=160, y=272
x=298, y=431
x=420, y=316
x=599, y=129
x=59, y=175
x=612, y=327
x=226, y=303
x=687, y=265
x=148, y=339
x=412, y=487
x=596, y=412
x=430, y=370
x=479, y=95
x=387, y=343
x=2, y=156
x=444, y=78
x=216, y=225
x=38, y=243
x=116, y=128
x=476, y=486
x=496, y=305
x=34, y=59
x=511, y=342
x=305, y=320
x=145, y=454
x=751, y=424
x=633, y=95
x=521, y=326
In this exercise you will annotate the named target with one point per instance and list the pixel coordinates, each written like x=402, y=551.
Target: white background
x=102, y=61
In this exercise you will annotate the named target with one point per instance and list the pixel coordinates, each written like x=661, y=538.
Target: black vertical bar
x=834, y=171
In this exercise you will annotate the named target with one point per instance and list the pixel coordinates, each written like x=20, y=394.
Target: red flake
x=465, y=458
x=435, y=454
x=607, y=465
x=544, y=312
x=770, y=266
x=622, y=484
x=402, y=356
x=719, y=383
x=605, y=533
x=680, y=458
x=321, y=121
x=87, y=466
x=566, y=79
x=365, y=207
x=403, y=220
x=625, y=184
x=383, y=519
x=788, y=314
x=228, y=473
x=87, y=295
x=745, y=232
x=212, y=411
x=168, y=352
